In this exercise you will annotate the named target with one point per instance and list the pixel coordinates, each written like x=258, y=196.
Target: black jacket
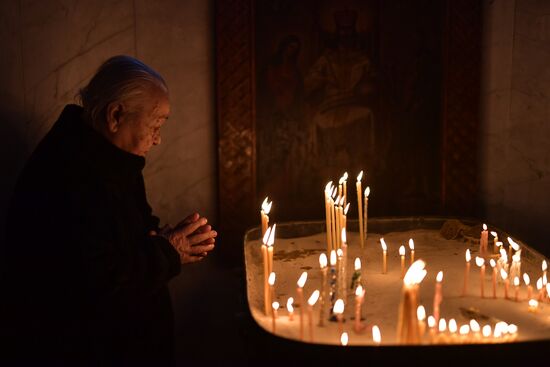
x=84, y=281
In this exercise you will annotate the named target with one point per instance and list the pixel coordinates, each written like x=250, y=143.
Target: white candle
x=411, y=246
x=311, y=302
x=384, y=256
x=300, y=290
x=481, y=263
x=376, y=335
x=466, y=272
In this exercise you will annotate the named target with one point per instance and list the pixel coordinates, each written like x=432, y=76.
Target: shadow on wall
x=14, y=152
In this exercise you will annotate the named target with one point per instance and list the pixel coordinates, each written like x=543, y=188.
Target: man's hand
x=192, y=238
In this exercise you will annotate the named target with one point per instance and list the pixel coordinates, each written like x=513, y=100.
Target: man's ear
x=114, y=113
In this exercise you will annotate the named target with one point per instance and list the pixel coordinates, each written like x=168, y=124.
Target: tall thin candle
x=300, y=290
x=311, y=302
x=384, y=256
x=359, y=294
x=481, y=263
x=411, y=247
x=402, y=254
x=438, y=295
x=466, y=272
x=360, y=209
x=323, y=265
x=365, y=211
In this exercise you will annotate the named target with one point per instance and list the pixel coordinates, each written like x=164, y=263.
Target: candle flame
x=265, y=240
x=494, y=234
x=500, y=328
x=383, y=244
x=332, y=258
x=442, y=325
x=484, y=226
x=313, y=298
x=271, y=279
x=344, y=339
x=302, y=280
x=334, y=191
x=480, y=261
x=526, y=279
x=421, y=313
x=328, y=187
x=271, y=240
x=357, y=264
x=266, y=207
x=468, y=256
x=486, y=331
x=359, y=291
x=323, y=261
x=503, y=274
x=376, y=336
x=493, y=263
x=341, y=180
x=339, y=252
x=345, y=176
x=338, y=307
x=533, y=303
x=416, y=273
x=341, y=200
x=344, y=235
x=503, y=255
x=453, y=327
x=402, y=250
x=431, y=321
x=367, y=192
x=516, y=281
x=346, y=210
x=411, y=244
x=275, y=305
x=499, y=244
x=289, y=306
x=439, y=276
x=360, y=176
x=517, y=257
x=539, y=284
x=544, y=265
x=474, y=325
x=513, y=243
x=512, y=329
x=464, y=330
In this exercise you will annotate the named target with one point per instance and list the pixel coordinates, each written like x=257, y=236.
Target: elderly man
x=86, y=264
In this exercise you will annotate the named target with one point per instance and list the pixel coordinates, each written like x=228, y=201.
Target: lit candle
x=504, y=277
x=376, y=335
x=346, y=210
x=474, y=326
x=265, y=241
x=384, y=256
x=544, y=267
x=338, y=220
x=481, y=263
x=345, y=188
x=431, y=325
x=411, y=246
x=516, y=289
x=421, y=316
x=533, y=305
x=356, y=277
x=365, y=211
x=360, y=209
x=493, y=266
x=442, y=328
x=328, y=190
x=271, y=282
x=483, y=242
x=512, y=245
x=300, y=290
x=275, y=307
x=270, y=243
x=340, y=272
x=338, y=311
x=407, y=324
x=527, y=282
x=466, y=272
x=464, y=331
x=513, y=331
x=359, y=293
x=333, y=219
x=311, y=302
x=402, y=254
x=486, y=331
x=266, y=208
x=344, y=339
x=290, y=308
x=495, y=241
x=453, y=328
x=540, y=289
x=515, y=268
x=438, y=295
x=323, y=265
x=344, y=261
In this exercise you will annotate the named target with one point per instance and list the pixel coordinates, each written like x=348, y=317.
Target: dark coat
x=84, y=280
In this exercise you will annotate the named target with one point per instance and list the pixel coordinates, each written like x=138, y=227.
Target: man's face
x=140, y=130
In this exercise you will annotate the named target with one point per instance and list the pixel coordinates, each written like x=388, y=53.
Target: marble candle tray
x=297, y=248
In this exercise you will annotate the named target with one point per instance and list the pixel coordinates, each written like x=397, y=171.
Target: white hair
x=119, y=79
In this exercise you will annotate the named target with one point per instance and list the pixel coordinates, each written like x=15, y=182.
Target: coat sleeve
x=115, y=266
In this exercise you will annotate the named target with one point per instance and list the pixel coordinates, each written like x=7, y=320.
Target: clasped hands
x=193, y=238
